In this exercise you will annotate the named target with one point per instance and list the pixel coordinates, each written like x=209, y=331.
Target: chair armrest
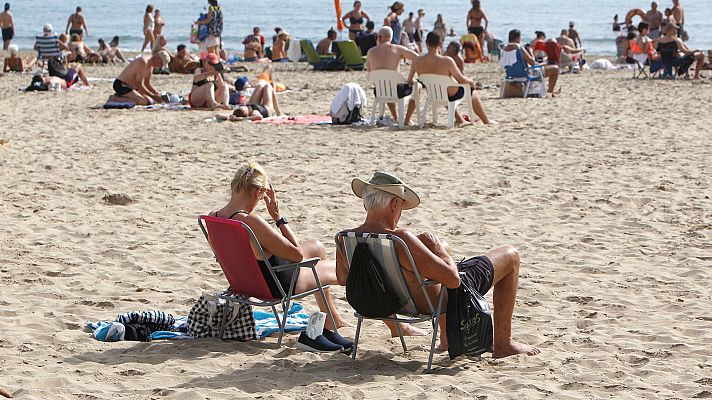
x=309, y=263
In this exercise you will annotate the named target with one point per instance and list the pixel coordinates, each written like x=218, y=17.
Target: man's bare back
x=5, y=19
x=135, y=73
x=388, y=56
x=654, y=19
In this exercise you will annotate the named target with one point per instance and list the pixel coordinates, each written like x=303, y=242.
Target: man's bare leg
x=83, y=76
x=479, y=109
x=700, y=58
x=409, y=112
x=506, y=278
x=326, y=271
x=131, y=97
x=406, y=329
x=392, y=109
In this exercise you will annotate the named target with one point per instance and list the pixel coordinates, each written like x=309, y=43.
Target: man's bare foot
x=408, y=330
x=513, y=348
x=463, y=124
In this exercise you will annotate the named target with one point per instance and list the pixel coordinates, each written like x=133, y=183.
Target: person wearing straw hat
x=385, y=197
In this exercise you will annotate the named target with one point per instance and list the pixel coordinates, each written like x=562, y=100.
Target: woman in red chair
x=248, y=188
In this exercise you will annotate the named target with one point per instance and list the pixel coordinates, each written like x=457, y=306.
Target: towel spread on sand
x=295, y=120
x=113, y=331
x=164, y=106
x=265, y=324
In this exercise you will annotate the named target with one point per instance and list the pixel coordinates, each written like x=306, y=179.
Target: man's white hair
x=376, y=199
x=386, y=33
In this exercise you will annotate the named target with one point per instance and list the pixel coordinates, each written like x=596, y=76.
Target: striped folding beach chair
x=383, y=247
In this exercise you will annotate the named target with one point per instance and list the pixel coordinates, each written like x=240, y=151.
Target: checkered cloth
x=206, y=315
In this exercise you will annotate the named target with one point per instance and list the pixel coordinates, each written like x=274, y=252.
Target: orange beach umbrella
x=339, y=22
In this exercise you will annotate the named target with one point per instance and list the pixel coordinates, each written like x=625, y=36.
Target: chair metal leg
x=436, y=325
x=400, y=335
x=283, y=326
x=358, y=332
x=526, y=89
x=323, y=297
x=501, y=91
x=279, y=324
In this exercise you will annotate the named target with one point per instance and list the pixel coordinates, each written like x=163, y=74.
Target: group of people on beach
x=659, y=39
x=384, y=198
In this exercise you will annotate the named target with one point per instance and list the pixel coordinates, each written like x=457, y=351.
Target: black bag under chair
x=469, y=321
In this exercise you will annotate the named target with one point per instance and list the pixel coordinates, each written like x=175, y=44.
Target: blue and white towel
x=266, y=324
x=113, y=331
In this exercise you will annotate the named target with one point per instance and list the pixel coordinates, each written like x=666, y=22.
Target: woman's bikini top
x=233, y=214
x=357, y=21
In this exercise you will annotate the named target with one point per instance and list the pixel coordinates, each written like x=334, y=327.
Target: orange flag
x=339, y=22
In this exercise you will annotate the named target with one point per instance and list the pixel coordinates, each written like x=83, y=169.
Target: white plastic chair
x=436, y=90
x=386, y=83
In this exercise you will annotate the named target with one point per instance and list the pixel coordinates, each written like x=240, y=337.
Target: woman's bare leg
x=326, y=271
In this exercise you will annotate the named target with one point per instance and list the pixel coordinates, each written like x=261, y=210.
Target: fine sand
x=606, y=192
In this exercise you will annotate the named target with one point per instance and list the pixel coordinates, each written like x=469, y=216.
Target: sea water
x=312, y=18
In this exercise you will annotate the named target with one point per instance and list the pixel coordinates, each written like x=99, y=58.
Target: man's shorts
x=121, y=88
x=7, y=34
x=459, y=94
x=478, y=273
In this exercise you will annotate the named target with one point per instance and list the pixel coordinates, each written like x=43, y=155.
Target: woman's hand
x=272, y=203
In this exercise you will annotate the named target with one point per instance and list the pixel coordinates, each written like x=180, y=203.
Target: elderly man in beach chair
x=384, y=198
x=387, y=56
x=513, y=54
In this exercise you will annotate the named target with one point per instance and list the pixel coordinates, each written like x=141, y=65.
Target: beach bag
x=367, y=289
x=194, y=34
x=537, y=89
x=215, y=27
x=469, y=321
x=206, y=315
x=55, y=67
x=203, y=30
x=333, y=64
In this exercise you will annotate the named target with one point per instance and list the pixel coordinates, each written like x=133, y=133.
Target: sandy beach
x=605, y=190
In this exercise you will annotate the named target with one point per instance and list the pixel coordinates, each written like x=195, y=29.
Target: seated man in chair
x=550, y=71
x=387, y=55
x=434, y=63
x=384, y=198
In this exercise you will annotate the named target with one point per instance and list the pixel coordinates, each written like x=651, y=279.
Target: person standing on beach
x=214, y=21
x=654, y=18
x=440, y=26
x=679, y=13
x=392, y=21
x=419, y=30
x=409, y=27
x=148, y=27
x=356, y=18
x=76, y=24
x=574, y=35
x=159, y=23
x=474, y=20
x=8, y=26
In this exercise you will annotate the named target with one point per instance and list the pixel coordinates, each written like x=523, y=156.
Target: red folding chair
x=230, y=241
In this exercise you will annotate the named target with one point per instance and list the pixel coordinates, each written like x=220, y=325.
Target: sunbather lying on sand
x=262, y=104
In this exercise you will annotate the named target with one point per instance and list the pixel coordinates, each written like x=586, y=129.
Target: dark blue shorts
x=479, y=273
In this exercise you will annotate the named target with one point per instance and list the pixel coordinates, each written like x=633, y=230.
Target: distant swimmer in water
x=474, y=20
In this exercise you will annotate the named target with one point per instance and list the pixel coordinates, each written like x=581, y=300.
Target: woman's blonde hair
x=249, y=176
